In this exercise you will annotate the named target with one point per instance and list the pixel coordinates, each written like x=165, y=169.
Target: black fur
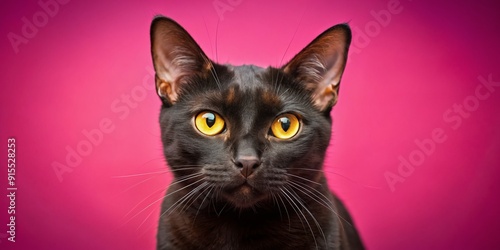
x=285, y=203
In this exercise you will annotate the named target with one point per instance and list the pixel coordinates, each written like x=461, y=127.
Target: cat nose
x=247, y=164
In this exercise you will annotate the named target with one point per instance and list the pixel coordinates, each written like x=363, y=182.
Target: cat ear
x=319, y=66
x=175, y=56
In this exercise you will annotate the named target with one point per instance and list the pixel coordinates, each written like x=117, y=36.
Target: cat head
x=244, y=131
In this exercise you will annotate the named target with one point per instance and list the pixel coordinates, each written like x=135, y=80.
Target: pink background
x=403, y=76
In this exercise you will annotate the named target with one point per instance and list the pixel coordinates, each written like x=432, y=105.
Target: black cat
x=246, y=147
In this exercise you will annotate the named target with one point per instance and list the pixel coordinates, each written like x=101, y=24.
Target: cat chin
x=243, y=196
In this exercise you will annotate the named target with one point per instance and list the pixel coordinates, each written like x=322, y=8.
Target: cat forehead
x=251, y=79
x=247, y=76
x=247, y=87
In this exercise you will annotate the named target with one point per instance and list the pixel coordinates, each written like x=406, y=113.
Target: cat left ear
x=176, y=56
x=320, y=65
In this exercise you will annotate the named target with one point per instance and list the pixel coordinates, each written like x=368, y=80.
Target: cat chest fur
x=219, y=227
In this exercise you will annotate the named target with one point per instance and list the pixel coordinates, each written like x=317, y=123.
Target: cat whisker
x=303, y=189
x=145, y=219
x=188, y=165
x=294, y=194
x=276, y=89
x=220, y=212
x=165, y=196
x=297, y=209
x=338, y=174
x=186, y=178
x=326, y=201
x=323, y=201
x=275, y=202
x=137, y=184
x=208, y=34
x=213, y=72
x=304, y=179
x=140, y=202
x=219, y=190
x=155, y=159
x=307, y=169
x=282, y=95
x=203, y=185
x=178, y=168
x=290, y=43
x=141, y=174
x=216, y=39
x=184, y=168
x=179, y=202
x=286, y=211
x=353, y=181
x=294, y=209
x=183, y=199
x=202, y=202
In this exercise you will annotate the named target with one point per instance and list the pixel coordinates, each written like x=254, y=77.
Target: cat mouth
x=243, y=195
x=244, y=189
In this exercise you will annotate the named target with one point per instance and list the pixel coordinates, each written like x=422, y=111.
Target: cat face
x=245, y=133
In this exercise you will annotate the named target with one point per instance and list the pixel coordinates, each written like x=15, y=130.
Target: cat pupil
x=285, y=123
x=210, y=118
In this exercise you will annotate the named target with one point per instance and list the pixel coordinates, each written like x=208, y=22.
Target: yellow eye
x=285, y=126
x=209, y=123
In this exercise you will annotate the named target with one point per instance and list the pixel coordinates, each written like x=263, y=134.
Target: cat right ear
x=176, y=56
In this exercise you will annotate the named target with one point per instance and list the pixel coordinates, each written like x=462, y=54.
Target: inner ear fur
x=320, y=65
x=176, y=56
